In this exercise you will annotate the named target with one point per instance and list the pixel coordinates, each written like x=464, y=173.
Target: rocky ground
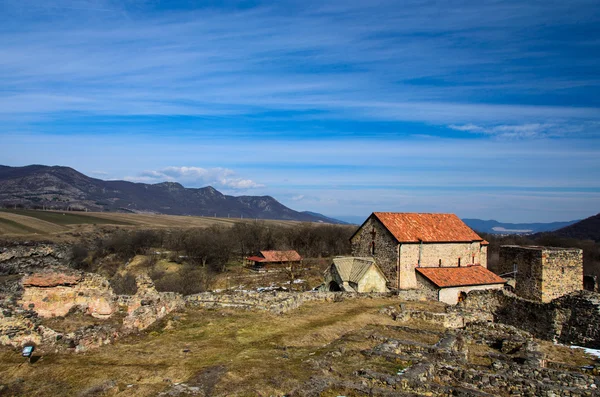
x=93, y=342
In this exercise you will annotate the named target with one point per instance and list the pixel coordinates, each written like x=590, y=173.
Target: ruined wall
x=55, y=294
x=22, y=257
x=570, y=319
x=543, y=273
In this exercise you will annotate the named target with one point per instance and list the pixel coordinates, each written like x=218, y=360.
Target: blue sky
x=484, y=109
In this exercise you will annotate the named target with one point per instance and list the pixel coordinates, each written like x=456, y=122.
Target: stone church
x=403, y=242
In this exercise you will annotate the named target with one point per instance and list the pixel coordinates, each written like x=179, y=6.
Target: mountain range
x=39, y=186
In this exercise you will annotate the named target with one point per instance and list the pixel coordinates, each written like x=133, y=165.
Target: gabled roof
x=444, y=277
x=429, y=228
x=256, y=258
x=281, y=256
x=352, y=269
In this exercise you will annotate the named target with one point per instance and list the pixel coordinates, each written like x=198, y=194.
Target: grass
x=64, y=226
x=9, y=226
x=249, y=344
x=66, y=218
x=235, y=353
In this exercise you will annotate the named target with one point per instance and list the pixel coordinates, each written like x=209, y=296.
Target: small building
x=403, y=242
x=351, y=274
x=274, y=259
x=451, y=284
x=541, y=273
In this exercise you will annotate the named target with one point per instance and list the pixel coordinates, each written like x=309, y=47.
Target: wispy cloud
x=197, y=177
x=343, y=61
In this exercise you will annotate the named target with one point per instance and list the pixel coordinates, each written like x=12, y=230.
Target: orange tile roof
x=281, y=256
x=459, y=276
x=429, y=228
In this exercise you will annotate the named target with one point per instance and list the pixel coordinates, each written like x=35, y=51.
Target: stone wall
x=562, y=272
x=431, y=254
x=543, y=273
x=570, y=319
x=385, y=247
x=279, y=302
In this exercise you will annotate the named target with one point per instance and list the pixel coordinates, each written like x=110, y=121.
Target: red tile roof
x=459, y=276
x=255, y=258
x=281, y=256
x=429, y=228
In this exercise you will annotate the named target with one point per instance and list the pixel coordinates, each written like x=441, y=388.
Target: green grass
x=65, y=218
x=15, y=227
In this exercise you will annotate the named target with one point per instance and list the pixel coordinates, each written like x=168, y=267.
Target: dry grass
x=240, y=353
x=11, y=223
x=54, y=225
x=566, y=355
x=250, y=345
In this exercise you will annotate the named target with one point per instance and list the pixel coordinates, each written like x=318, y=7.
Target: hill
x=61, y=188
x=495, y=227
x=587, y=229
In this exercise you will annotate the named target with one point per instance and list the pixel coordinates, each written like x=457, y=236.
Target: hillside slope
x=587, y=229
x=39, y=186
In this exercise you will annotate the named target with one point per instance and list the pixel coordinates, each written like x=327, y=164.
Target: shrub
x=123, y=284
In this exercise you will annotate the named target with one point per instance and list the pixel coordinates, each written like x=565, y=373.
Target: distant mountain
x=495, y=227
x=324, y=219
x=39, y=186
x=587, y=229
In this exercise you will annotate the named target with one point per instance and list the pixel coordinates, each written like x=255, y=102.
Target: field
x=61, y=225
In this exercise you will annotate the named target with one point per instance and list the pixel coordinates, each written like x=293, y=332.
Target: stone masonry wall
x=543, y=273
x=385, y=248
x=562, y=272
x=570, y=319
x=432, y=254
x=279, y=302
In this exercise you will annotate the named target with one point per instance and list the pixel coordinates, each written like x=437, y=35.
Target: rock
x=55, y=294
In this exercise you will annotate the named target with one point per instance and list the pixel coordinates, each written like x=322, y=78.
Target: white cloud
x=298, y=197
x=517, y=131
x=196, y=176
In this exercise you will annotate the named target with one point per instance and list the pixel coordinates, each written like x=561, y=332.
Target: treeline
x=205, y=252
x=591, y=249
x=215, y=246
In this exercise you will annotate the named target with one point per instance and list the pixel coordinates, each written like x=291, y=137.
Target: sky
x=486, y=109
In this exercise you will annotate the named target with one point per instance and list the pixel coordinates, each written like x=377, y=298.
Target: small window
x=440, y=264
x=458, y=262
x=372, y=247
x=563, y=270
